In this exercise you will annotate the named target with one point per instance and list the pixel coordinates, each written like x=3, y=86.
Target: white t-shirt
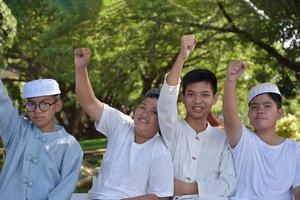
x=130, y=169
x=203, y=157
x=266, y=172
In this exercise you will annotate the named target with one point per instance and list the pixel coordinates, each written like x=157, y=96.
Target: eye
x=30, y=104
x=142, y=107
x=154, y=112
x=205, y=94
x=44, y=104
x=268, y=106
x=253, y=106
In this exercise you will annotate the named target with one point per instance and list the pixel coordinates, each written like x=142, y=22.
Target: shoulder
x=293, y=145
x=111, y=112
x=158, y=145
x=69, y=139
x=216, y=132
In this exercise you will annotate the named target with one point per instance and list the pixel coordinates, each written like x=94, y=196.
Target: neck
x=198, y=125
x=48, y=129
x=269, y=137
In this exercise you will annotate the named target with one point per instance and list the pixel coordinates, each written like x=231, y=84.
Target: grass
x=93, y=144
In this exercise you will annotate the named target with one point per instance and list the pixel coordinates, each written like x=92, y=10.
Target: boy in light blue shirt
x=42, y=160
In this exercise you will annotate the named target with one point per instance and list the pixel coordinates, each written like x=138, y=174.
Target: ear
x=58, y=105
x=280, y=112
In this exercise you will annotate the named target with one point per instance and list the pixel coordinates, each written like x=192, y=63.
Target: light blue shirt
x=38, y=166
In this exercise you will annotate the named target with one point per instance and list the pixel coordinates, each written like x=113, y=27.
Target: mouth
x=143, y=120
x=38, y=118
x=260, y=118
x=197, y=108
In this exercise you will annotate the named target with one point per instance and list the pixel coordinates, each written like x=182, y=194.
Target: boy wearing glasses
x=42, y=160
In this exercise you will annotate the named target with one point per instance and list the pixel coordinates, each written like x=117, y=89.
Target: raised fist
x=188, y=43
x=81, y=57
x=235, y=70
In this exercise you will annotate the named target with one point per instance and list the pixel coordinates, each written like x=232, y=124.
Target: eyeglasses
x=43, y=106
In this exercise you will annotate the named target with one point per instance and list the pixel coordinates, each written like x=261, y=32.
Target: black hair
x=200, y=75
x=274, y=96
x=152, y=92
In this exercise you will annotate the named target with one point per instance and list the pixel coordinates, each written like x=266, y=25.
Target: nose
x=260, y=110
x=37, y=109
x=197, y=98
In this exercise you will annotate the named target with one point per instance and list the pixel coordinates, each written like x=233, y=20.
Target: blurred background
x=135, y=42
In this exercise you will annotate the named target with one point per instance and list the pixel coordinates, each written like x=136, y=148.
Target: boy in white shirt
x=267, y=165
x=136, y=164
x=203, y=166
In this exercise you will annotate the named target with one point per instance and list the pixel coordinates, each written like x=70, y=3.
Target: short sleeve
x=110, y=121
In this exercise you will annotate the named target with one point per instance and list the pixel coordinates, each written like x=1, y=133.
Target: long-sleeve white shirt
x=203, y=157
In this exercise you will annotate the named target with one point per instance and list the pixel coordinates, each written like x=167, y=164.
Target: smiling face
x=263, y=113
x=198, y=100
x=145, y=120
x=41, y=117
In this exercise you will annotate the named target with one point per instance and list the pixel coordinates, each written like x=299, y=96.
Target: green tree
x=134, y=44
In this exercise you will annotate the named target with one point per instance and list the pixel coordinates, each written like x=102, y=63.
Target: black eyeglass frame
x=39, y=105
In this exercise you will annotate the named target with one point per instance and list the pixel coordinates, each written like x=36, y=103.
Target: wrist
x=181, y=57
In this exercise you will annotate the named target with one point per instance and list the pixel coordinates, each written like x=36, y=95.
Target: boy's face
x=41, y=111
x=198, y=100
x=263, y=113
x=145, y=120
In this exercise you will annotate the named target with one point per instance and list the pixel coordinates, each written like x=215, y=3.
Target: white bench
x=79, y=196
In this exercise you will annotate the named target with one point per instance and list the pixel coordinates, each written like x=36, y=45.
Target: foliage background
x=134, y=43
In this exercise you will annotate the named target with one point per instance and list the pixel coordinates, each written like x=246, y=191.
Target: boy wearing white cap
x=267, y=165
x=136, y=164
x=42, y=160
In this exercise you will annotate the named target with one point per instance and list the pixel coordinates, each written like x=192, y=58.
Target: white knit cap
x=40, y=87
x=262, y=88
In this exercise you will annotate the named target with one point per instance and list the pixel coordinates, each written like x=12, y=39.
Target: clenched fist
x=81, y=57
x=188, y=43
x=235, y=70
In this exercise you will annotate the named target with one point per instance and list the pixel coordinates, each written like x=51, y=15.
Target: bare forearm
x=185, y=188
x=232, y=121
x=87, y=99
x=230, y=103
x=174, y=74
x=187, y=45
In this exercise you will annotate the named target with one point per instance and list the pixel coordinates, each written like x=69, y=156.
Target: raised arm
x=167, y=115
x=87, y=99
x=188, y=43
x=232, y=122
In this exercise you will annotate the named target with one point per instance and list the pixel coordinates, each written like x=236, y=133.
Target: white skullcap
x=40, y=87
x=262, y=88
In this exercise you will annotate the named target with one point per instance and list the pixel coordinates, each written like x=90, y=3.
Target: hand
x=235, y=70
x=188, y=43
x=81, y=57
x=183, y=188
